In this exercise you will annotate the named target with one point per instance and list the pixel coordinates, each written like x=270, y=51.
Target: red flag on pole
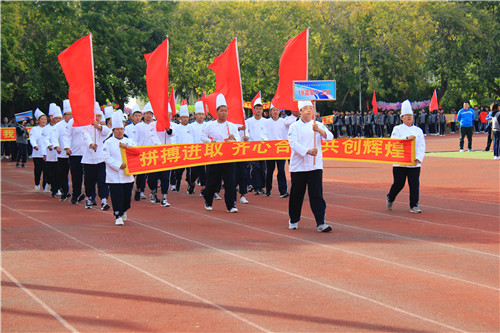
x=374, y=104
x=228, y=82
x=77, y=63
x=171, y=101
x=157, y=84
x=434, y=102
x=293, y=66
x=255, y=98
x=204, y=100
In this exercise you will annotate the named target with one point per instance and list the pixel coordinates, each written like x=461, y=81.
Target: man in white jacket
x=62, y=154
x=39, y=143
x=306, y=167
x=120, y=185
x=400, y=172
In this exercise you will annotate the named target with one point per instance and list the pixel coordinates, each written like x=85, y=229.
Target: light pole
x=366, y=48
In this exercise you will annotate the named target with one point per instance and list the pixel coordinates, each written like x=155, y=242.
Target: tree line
x=400, y=50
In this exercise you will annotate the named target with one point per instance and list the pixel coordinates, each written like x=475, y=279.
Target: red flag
x=374, y=104
x=255, y=98
x=77, y=64
x=293, y=66
x=157, y=84
x=171, y=101
x=228, y=82
x=204, y=100
x=434, y=102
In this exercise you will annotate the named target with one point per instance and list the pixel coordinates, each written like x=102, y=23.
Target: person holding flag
x=306, y=167
x=257, y=131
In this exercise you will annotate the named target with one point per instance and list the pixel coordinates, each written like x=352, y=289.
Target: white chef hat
x=302, y=104
x=117, y=120
x=38, y=113
x=52, y=108
x=184, y=111
x=97, y=109
x=148, y=108
x=108, y=111
x=258, y=101
x=57, y=112
x=406, y=108
x=66, y=106
x=221, y=101
x=136, y=108
x=198, y=107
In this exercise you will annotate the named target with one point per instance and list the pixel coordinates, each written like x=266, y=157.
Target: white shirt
x=113, y=158
x=146, y=134
x=289, y=120
x=276, y=129
x=301, y=138
x=51, y=154
x=164, y=138
x=196, y=130
x=183, y=134
x=131, y=132
x=257, y=129
x=91, y=135
x=219, y=132
x=73, y=139
x=58, y=138
x=38, y=139
x=401, y=132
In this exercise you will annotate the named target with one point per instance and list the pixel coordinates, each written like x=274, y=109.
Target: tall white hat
x=38, y=113
x=66, y=106
x=52, y=108
x=221, y=101
x=148, y=108
x=57, y=112
x=108, y=111
x=136, y=108
x=97, y=109
x=304, y=103
x=406, y=108
x=258, y=101
x=117, y=120
x=184, y=111
x=198, y=107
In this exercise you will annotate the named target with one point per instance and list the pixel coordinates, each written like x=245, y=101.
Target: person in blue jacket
x=466, y=117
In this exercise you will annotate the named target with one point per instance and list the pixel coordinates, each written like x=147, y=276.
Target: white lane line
x=199, y=298
x=388, y=233
x=39, y=301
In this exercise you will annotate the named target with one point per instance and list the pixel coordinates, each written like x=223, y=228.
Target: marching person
x=62, y=154
x=183, y=135
x=306, y=167
x=276, y=130
x=38, y=141
x=94, y=168
x=400, y=172
x=256, y=127
x=221, y=130
x=198, y=172
x=130, y=129
x=55, y=116
x=120, y=185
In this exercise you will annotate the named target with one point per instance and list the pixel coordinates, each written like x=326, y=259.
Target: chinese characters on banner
x=148, y=159
x=9, y=133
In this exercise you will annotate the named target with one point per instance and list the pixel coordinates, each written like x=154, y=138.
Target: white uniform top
x=401, y=132
x=173, y=136
x=301, y=138
x=73, y=139
x=91, y=135
x=58, y=138
x=257, y=129
x=276, y=129
x=51, y=154
x=113, y=158
x=131, y=132
x=196, y=130
x=146, y=134
x=38, y=139
x=289, y=120
x=219, y=132
x=164, y=138
x=183, y=134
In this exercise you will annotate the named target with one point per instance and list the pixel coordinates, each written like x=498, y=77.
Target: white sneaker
x=461, y=150
x=217, y=196
x=172, y=188
x=324, y=228
x=37, y=187
x=233, y=210
x=47, y=188
x=124, y=217
x=143, y=196
x=119, y=221
x=497, y=158
x=88, y=204
x=58, y=193
x=164, y=202
x=415, y=210
x=208, y=208
x=243, y=200
x=293, y=226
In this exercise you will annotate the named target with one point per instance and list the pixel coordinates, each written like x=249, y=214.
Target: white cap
x=273, y=107
x=57, y=112
x=136, y=108
x=66, y=106
x=184, y=111
x=38, y=113
x=108, y=111
x=258, y=101
x=221, y=101
x=406, y=108
x=52, y=108
x=304, y=103
x=117, y=120
x=148, y=108
x=96, y=107
x=198, y=107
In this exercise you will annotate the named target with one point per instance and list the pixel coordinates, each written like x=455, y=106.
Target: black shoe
x=104, y=206
x=284, y=195
x=268, y=194
x=191, y=189
x=64, y=197
x=94, y=203
x=137, y=196
x=250, y=188
x=73, y=201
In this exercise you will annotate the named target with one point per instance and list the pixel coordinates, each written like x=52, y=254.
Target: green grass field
x=487, y=155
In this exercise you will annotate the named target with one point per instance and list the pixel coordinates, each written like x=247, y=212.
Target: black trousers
x=121, y=195
x=163, y=176
x=466, y=131
x=242, y=177
x=258, y=174
x=39, y=169
x=178, y=177
x=62, y=176
x=442, y=127
x=75, y=164
x=488, y=140
x=399, y=179
x=140, y=182
x=313, y=180
x=282, y=187
x=22, y=153
x=198, y=173
x=422, y=127
x=95, y=174
x=216, y=173
x=49, y=173
x=453, y=126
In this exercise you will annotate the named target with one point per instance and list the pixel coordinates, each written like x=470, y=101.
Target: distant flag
x=374, y=104
x=171, y=101
x=204, y=100
x=157, y=84
x=293, y=66
x=255, y=98
x=77, y=63
x=434, y=102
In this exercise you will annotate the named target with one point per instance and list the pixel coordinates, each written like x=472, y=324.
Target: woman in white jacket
x=120, y=185
x=39, y=142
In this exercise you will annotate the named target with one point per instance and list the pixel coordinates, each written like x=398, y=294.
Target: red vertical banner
x=434, y=102
x=157, y=84
x=77, y=63
x=374, y=103
x=171, y=101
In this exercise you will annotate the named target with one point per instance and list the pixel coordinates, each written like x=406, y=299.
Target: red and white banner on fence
x=148, y=159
